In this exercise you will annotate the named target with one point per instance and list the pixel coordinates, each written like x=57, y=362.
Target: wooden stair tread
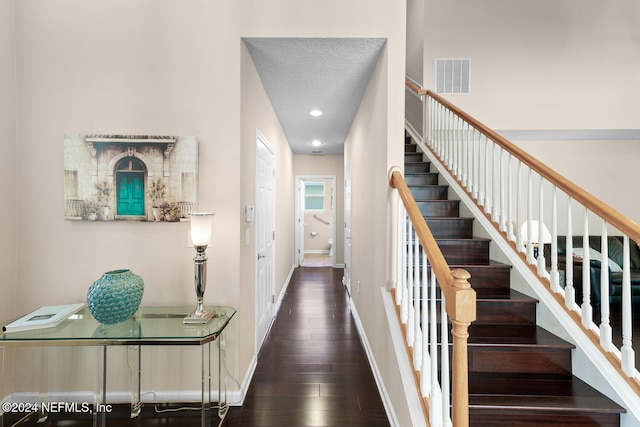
x=508, y=335
x=500, y=295
x=488, y=391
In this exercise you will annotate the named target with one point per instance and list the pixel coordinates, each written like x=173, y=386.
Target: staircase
x=519, y=373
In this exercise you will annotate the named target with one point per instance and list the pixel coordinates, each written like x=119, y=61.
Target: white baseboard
x=234, y=397
x=386, y=400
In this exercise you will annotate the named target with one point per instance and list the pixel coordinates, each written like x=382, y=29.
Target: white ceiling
x=302, y=74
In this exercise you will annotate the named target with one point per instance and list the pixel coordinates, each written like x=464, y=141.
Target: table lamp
x=201, y=237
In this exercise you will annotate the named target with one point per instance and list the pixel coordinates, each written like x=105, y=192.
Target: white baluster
x=410, y=320
x=495, y=176
x=518, y=201
x=587, y=311
x=628, y=354
x=454, y=145
x=511, y=198
x=476, y=164
x=503, y=192
x=417, y=347
x=400, y=241
x=488, y=165
x=530, y=258
x=404, y=305
x=425, y=371
x=464, y=148
x=542, y=267
x=435, y=412
x=482, y=164
x=569, y=289
x=605, y=321
x=555, y=275
x=444, y=360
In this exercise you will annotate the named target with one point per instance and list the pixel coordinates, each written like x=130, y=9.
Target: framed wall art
x=130, y=177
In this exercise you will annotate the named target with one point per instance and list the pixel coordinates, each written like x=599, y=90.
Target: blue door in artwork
x=130, y=193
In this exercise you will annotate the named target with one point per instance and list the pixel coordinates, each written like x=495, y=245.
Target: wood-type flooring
x=312, y=369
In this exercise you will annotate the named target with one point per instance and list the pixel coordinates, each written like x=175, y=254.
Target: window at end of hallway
x=314, y=197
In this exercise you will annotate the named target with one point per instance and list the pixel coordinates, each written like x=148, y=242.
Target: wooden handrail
x=460, y=300
x=600, y=208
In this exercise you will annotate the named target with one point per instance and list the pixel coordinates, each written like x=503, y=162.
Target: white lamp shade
x=201, y=228
x=534, y=234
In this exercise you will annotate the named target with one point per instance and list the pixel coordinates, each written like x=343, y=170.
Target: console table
x=151, y=326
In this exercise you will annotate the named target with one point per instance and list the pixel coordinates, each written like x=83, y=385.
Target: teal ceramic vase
x=115, y=297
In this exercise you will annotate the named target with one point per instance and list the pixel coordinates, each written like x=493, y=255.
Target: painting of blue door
x=130, y=174
x=130, y=193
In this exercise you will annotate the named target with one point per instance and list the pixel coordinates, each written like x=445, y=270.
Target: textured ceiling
x=302, y=74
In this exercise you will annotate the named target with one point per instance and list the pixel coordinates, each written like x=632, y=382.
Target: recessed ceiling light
x=315, y=113
x=316, y=143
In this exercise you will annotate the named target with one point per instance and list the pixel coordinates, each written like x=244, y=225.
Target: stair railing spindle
x=569, y=289
x=402, y=219
x=542, y=267
x=555, y=275
x=587, y=311
x=511, y=197
x=605, y=321
x=488, y=165
x=503, y=192
x=530, y=258
x=410, y=319
x=425, y=371
x=436, y=393
x=404, y=306
x=495, y=176
x=444, y=361
x=417, y=346
x=628, y=354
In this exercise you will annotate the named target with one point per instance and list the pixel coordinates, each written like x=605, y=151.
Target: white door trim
x=299, y=213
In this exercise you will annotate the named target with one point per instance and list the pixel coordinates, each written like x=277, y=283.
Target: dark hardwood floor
x=312, y=369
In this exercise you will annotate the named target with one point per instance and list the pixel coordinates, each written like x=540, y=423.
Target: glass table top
x=150, y=326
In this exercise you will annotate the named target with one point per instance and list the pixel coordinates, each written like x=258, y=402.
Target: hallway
x=312, y=369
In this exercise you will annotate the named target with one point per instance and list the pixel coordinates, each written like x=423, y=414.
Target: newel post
x=462, y=311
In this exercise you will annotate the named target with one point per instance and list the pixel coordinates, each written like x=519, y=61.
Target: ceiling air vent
x=316, y=151
x=452, y=75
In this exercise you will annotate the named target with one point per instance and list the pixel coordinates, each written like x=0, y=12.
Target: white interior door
x=265, y=235
x=347, y=227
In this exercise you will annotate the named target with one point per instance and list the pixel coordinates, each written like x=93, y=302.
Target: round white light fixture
x=316, y=143
x=315, y=113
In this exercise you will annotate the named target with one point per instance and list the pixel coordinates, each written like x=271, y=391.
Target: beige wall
x=258, y=115
x=606, y=169
x=164, y=68
x=371, y=152
x=541, y=65
x=8, y=215
x=329, y=165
